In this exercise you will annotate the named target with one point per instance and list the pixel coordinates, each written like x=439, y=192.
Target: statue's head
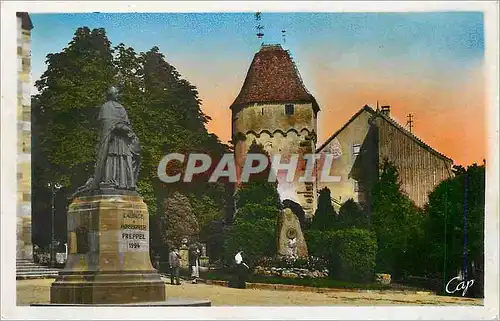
x=112, y=93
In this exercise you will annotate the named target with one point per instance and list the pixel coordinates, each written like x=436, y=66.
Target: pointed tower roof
x=273, y=78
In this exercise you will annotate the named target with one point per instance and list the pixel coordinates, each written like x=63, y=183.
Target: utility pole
x=409, y=123
x=464, y=273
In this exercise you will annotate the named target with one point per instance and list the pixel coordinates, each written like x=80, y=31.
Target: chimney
x=386, y=110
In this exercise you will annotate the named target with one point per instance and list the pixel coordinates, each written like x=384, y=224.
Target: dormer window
x=289, y=109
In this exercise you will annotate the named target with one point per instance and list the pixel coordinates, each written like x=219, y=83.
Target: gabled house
x=362, y=144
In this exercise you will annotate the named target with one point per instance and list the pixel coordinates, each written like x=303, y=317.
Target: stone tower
x=275, y=109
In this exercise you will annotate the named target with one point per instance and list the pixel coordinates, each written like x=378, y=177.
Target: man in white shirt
x=241, y=270
x=238, y=258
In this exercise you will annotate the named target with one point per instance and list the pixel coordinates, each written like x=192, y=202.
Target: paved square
x=37, y=291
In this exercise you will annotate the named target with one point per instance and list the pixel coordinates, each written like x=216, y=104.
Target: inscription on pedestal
x=133, y=235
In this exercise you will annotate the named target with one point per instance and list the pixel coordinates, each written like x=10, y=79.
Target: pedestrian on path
x=241, y=270
x=174, y=260
x=194, y=262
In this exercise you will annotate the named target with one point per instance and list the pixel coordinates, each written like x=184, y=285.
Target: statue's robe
x=116, y=165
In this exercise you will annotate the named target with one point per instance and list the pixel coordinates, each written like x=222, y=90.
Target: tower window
x=262, y=111
x=356, y=149
x=289, y=109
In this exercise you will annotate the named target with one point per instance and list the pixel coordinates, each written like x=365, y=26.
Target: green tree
x=164, y=109
x=453, y=201
x=258, y=206
x=64, y=124
x=174, y=122
x=394, y=219
x=178, y=221
x=351, y=215
x=70, y=90
x=325, y=216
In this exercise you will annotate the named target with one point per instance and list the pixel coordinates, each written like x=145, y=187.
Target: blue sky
x=441, y=37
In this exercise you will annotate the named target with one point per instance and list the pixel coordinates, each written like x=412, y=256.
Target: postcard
x=250, y=160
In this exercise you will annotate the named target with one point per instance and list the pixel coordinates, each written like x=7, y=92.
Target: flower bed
x=310, y=267
x=290, y=273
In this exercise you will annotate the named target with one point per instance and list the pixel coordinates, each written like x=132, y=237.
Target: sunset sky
x=426, y=64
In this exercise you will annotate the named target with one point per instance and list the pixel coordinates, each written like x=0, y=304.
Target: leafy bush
x=350, y=253
x=255, y=238
x=357, y=251
x=317, y=242
x=351, y=214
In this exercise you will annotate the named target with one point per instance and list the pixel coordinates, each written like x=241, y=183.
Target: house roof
x=273, y=78
x=365, y=108
x=391, y=121
x=25, y=20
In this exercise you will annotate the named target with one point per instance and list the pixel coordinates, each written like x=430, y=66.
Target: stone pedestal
x=108, y=254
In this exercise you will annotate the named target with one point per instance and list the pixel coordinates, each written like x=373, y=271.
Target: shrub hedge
x=351, y=253
x=255, y=238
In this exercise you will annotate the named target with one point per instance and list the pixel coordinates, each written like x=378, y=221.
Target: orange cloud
x=449, y=116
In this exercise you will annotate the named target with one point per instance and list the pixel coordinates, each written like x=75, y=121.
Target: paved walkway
x=38, y=291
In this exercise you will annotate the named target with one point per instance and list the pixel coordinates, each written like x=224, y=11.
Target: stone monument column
x=291, y=241
x=108, y=225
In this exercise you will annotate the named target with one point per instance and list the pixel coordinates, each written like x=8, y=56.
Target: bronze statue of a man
x=118, y=156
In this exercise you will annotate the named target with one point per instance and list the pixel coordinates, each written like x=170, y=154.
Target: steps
x=26, y=269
